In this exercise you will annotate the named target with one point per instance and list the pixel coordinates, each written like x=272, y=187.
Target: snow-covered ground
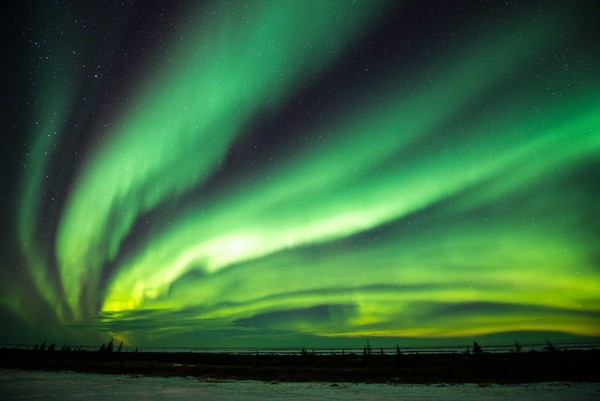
x=64, y=386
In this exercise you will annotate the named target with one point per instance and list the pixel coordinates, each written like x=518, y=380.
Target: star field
x=243, y=173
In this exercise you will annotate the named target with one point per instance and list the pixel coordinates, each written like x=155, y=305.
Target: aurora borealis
x=300, y=172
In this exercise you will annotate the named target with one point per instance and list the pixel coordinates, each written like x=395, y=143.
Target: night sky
x=299, y=173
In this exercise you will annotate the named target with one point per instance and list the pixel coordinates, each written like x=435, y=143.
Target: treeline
x=52, y=347
x=516, y=348
x=455, y=367
x=368, y=350
x=108, y=347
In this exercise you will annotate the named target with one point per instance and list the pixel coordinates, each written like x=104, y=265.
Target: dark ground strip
x=505, y=368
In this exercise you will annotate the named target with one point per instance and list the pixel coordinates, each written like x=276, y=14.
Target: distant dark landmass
x=368, y=367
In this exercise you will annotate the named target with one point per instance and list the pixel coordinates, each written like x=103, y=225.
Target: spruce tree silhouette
x=517, y=347
x=549, y=346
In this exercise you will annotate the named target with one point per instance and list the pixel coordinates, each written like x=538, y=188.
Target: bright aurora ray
x=303, y=173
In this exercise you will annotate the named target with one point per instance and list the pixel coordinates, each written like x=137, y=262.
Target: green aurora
x=295, y=173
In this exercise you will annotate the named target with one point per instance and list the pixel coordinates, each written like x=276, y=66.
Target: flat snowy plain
x=64, y=386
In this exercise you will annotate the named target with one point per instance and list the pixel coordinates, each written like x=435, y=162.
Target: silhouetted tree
x=120, y=346
x=51, y=347
x=549, y=347
x=477, y=348
x=102, y=348
x=517, y=347
x=109, y=346
x=367, y=351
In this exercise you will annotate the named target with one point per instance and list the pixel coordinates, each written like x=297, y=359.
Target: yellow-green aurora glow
x=274, y=172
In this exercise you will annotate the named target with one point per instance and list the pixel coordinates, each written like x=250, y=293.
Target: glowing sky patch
x=185, y=121
x=319, y=170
